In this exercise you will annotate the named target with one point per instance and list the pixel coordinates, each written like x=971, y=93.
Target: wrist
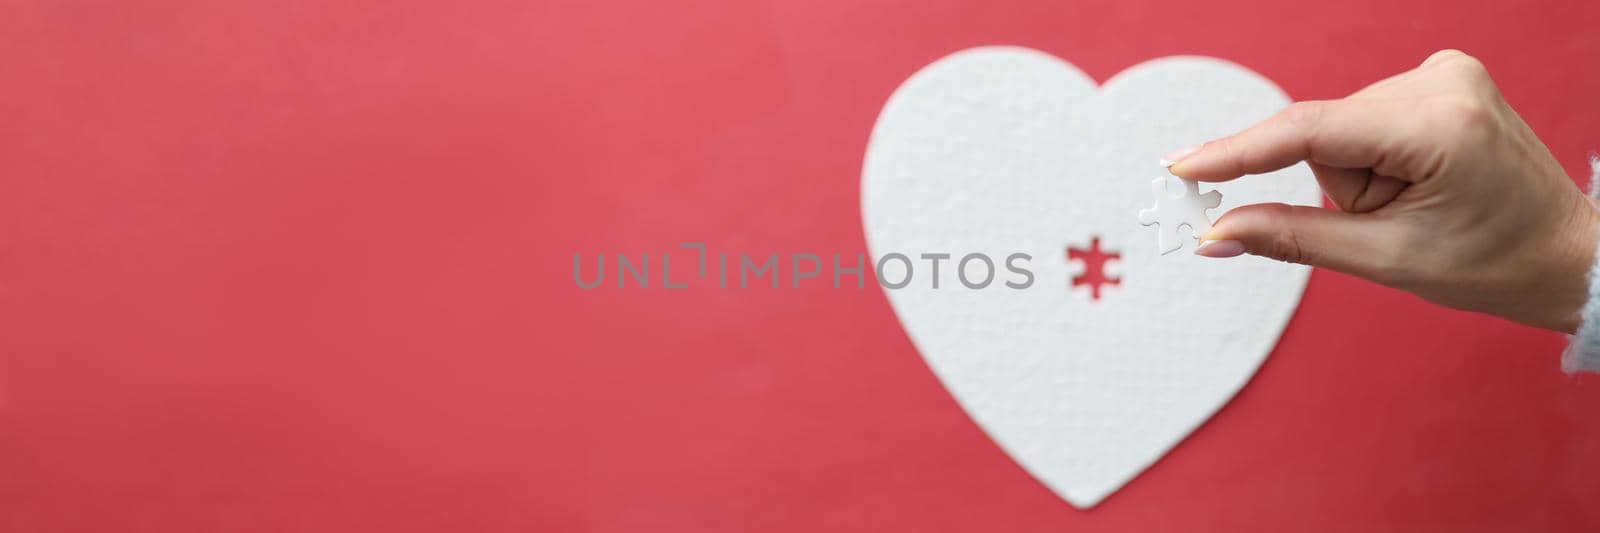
x=1574, y=260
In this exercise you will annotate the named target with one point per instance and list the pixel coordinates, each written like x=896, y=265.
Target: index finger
x=1336, y=133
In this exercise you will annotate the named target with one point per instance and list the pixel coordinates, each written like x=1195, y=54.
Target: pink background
x=306, y=265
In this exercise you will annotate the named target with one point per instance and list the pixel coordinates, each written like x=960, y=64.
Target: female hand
x=1442, y=191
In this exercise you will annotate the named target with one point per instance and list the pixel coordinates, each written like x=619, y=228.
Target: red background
x=306, y=265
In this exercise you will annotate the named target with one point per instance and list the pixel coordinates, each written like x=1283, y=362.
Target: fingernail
x=1219, y=249
x=1172, y=158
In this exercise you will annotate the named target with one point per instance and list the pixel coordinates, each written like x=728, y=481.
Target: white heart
x=1005, y=149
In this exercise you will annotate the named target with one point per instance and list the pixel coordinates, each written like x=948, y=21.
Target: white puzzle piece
x=1174, y=212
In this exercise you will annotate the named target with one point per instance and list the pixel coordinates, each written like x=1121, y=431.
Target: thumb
x=1352, y=243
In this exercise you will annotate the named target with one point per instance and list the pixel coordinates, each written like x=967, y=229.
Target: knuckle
x=1467, y=65
x=1305, y=119
x=1283, y=242
x=1467, y=71
x=1459, y=70
x=1304, y=115
x=1230, y=150
x=1455, y=61
x=1444, y=55
x=1287, y=247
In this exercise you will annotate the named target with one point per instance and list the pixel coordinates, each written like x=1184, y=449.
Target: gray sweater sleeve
x=1583, y=355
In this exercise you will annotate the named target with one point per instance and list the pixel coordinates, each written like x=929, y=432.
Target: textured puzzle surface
x=1082, y=378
